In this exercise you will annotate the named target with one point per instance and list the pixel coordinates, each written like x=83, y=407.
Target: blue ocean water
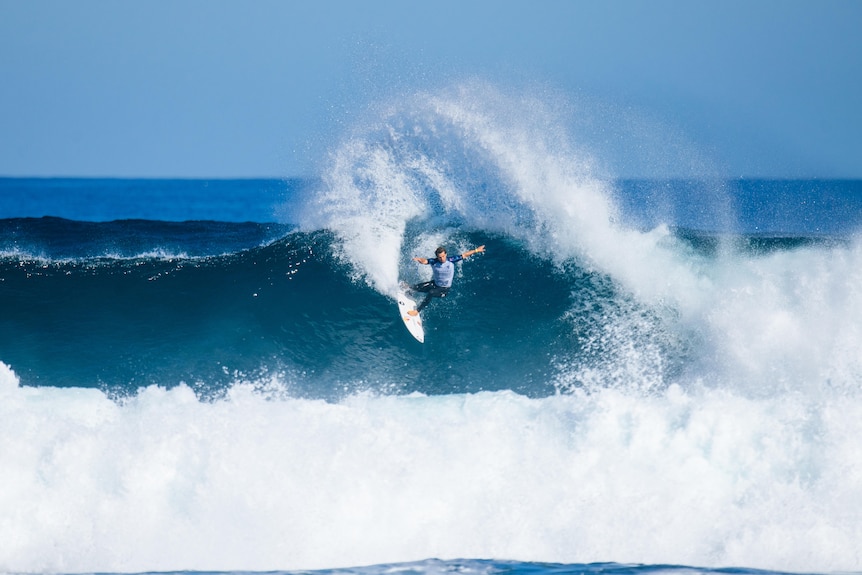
x=638, y=376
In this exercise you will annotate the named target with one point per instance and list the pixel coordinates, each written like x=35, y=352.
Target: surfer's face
x=441, y=256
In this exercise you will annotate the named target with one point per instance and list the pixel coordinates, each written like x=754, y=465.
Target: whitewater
x=609, y=383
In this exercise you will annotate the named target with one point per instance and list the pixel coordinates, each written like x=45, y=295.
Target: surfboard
x=413, y=323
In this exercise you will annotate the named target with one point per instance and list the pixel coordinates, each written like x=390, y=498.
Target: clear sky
x=247, y=88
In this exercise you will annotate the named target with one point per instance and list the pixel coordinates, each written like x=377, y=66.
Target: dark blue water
x=126, y=303
x=285, y=305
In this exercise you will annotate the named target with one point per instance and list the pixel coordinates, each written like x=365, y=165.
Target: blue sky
x=219, y=88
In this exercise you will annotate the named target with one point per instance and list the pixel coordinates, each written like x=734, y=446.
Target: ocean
x=638, y=376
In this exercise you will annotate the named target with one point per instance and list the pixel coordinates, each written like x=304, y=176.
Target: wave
x=601, y=384
x=264, y=410
x=60, y=239
x=759, y=319
x=474, y=160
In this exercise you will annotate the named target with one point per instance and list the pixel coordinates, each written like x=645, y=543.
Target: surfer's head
x=440, y=253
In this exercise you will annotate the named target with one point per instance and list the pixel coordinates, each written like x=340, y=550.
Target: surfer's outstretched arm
x=469, y=253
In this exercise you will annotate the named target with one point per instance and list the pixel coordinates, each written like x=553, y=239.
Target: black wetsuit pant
x=432, y=289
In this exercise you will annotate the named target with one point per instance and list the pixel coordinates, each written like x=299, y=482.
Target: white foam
x=164, y=481
x=789, y=320
x=369, y=198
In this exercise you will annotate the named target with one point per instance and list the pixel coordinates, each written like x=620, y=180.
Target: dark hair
x=439, y=251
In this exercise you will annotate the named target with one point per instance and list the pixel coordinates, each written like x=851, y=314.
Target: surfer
x=443, y=271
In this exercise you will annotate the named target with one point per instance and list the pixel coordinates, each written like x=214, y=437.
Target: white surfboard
x=412, y=322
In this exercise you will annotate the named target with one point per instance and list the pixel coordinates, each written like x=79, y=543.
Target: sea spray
x=473, y=158
x=446, y=160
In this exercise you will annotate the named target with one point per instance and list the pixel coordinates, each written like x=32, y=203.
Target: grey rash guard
x=443, y=273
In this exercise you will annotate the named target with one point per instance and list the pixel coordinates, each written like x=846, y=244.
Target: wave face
x=636, y=372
